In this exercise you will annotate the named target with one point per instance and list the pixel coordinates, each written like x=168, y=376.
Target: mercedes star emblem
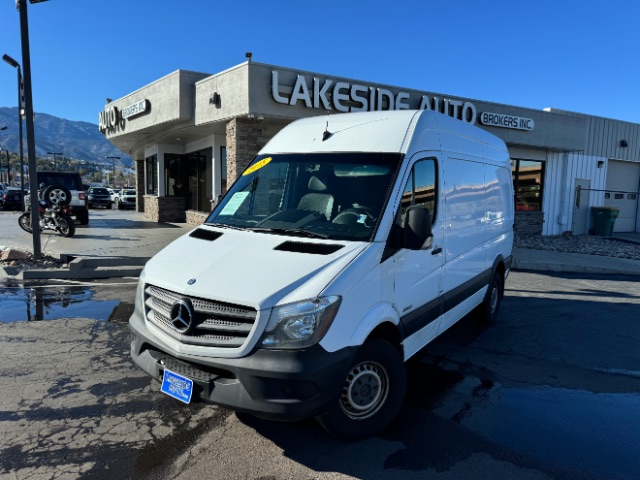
x=182, y=316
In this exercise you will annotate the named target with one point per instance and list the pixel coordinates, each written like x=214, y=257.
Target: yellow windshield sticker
x=256, y=166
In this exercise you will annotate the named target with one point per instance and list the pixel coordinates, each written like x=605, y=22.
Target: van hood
x=249, y=268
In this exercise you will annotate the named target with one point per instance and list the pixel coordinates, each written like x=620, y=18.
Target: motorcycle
x=53, y=209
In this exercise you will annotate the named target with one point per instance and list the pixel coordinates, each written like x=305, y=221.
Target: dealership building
x=192, y=133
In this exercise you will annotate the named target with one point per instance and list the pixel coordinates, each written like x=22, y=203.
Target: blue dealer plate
x=177, y=386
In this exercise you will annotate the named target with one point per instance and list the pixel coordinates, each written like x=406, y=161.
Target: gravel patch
x=23, y=259
x=587, y=244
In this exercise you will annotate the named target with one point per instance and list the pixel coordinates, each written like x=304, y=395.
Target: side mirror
x=417, y=227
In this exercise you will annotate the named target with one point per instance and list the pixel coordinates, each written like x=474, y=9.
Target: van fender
x=379, y=314
x=497, y=263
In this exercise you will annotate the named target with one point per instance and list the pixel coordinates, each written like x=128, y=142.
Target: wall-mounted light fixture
x=600, y=163
x=248, y=55
x=215, y=99
x=624, y=144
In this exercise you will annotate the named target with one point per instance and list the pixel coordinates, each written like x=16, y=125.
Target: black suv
x=73, y=183
x=99, y=197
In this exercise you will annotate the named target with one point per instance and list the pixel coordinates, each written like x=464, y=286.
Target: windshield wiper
x=290, y=231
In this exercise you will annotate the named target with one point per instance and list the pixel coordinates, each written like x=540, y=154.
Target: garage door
x=623, y=181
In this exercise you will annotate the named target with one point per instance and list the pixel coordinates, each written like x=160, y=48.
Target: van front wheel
x=372, y=393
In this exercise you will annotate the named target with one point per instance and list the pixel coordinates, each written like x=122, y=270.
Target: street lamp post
x=113, y=167
x=16, y=65
x=28, y=111
x=8, y=166
x=55, y=162
x=2, y=129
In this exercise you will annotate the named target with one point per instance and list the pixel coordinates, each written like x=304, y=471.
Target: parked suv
x=126, y=198
x=99, y=197
x=73, y=183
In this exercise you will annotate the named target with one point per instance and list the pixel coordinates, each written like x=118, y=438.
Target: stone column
x=245, y=138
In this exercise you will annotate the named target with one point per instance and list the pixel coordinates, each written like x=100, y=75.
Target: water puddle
x=596, y=433
x=51, y=303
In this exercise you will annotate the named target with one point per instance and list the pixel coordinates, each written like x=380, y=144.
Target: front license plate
x=177, y=386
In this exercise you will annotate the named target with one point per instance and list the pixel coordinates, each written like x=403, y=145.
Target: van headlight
x=300, y=324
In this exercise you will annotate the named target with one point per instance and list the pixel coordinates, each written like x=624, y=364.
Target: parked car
x=11, y=198
x=126, y=198
x=113, y=193
x=99, y=197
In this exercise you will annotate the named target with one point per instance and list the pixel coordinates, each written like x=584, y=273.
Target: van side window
x=420, y=189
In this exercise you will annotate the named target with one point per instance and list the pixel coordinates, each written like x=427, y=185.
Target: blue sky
x=573, y=55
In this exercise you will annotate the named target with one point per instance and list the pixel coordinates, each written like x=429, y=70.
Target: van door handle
x=436, y=250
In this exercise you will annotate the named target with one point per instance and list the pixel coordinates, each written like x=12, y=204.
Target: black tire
x=372, y=394
x=489, y=308
x=109, y=207
x=119, y=205
x=24, y=221
x=83, y=217
x=55, y=194
x=66, y=227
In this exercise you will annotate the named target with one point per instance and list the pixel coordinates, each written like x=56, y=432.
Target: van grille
x=216, y=324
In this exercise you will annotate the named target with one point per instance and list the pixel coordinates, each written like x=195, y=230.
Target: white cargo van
x=347, y=245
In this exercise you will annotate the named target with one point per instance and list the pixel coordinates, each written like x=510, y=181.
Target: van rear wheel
x=372, y=393
x=488, y=310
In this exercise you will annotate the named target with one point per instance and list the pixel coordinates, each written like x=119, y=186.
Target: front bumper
x=279, y=384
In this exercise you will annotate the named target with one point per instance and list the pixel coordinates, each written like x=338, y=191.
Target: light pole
x=16, y=65
x=8, y=166
x=113, y=167
x=55, y=163
x=28, y=111
x=1, y=130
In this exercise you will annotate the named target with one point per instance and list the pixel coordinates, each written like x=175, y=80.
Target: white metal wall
x=561, y=171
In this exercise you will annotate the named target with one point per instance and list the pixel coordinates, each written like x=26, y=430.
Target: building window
x=528, y=181
x=151, y=173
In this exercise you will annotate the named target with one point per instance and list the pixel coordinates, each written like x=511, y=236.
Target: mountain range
x=76, y=140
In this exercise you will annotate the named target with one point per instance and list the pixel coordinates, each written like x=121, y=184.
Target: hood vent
x=204, y=234
x=313, y=248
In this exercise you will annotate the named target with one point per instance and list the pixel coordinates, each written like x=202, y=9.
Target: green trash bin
x=603, y=220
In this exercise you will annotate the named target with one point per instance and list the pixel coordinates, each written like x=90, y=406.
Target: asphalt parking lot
x=549, y=391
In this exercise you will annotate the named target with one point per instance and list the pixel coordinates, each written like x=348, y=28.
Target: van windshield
x=331, y=195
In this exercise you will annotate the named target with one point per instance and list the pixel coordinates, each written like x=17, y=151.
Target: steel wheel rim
x=493, y=301
x=365, y=390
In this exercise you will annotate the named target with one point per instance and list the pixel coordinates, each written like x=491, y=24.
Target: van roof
x=380, y=131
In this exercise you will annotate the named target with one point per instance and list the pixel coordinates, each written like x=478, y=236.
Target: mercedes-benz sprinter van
x=346, y=246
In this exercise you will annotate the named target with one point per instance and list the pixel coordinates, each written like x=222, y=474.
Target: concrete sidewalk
x=119, y=243
x=116, y=243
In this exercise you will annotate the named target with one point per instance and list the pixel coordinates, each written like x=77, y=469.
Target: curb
x=81, y=268
x=533, y=266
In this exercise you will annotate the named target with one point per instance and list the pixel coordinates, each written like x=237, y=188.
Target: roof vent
x=304, y=247
x=204, y=234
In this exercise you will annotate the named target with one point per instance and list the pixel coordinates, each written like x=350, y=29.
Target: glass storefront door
x=189, y=176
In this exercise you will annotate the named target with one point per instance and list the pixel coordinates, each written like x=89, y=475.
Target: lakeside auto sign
x=327, y=94
x=112, y=117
